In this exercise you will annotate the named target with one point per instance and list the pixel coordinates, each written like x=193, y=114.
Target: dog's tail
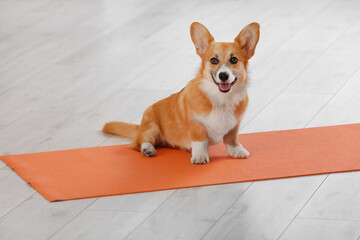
x=125, y=130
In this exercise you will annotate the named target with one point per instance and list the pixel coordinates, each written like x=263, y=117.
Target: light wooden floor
x=67, y=67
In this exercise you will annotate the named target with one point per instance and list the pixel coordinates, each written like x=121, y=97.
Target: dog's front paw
x=148, y=149
x=199, y=153
x=200, y=158
x=237, y=151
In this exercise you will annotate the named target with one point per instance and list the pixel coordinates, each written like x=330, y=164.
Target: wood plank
x=124, y=71
x=113, y=14
x=157, y=42
x=271, y=76
x=86, y=93
x=186, y=215
x=128, y=72
x=30, y=130
x=124, y=37
x=94, y=224
x=178, y=77
x=28, y=31
x=314, y=229
x=287, y=111
x=115, y=140
x=139, y=202
x=40, y=58
x=185, y=55
x=341, y=109
x=38, y=89
x=275, y=73
x=58, y=38
x=284, y=24
x=125, y=106
x=36, y=218
x=265, y=209
x=338, y=198
x=19, y=15
x=328, y=73
x=13, y=191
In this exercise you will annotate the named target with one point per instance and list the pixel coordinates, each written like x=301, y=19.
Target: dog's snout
x=223, y=76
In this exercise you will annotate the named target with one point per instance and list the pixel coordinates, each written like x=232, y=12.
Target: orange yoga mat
x=112, y=170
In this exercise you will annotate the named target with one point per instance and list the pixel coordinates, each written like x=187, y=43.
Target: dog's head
x=225, y=64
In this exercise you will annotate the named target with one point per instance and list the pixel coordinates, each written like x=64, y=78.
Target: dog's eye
x=233, y=60
x=214, y=61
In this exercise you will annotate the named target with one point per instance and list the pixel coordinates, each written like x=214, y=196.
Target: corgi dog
x=208, y=109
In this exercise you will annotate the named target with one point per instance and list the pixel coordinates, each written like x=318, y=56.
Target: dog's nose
x=223, y=76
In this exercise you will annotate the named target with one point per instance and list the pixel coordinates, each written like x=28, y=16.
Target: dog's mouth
x=224, y=87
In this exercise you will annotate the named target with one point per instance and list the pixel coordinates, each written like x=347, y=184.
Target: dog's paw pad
x=200, y=159
x=148, y=149
x=238, y=152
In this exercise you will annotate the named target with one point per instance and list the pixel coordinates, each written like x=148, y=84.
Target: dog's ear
x=248, y=39
x=201, y=37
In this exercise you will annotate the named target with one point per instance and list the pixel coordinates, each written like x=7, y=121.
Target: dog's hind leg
x=149, y=141
x=148, y=136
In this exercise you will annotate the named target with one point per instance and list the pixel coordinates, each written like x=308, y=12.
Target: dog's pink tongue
x=224, y=86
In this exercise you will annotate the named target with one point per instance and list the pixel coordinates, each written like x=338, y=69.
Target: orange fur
x=125, y=130
x=172, y=122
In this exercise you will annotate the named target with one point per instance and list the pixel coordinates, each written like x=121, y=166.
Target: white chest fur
x=218, y=123
x=221, y=119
